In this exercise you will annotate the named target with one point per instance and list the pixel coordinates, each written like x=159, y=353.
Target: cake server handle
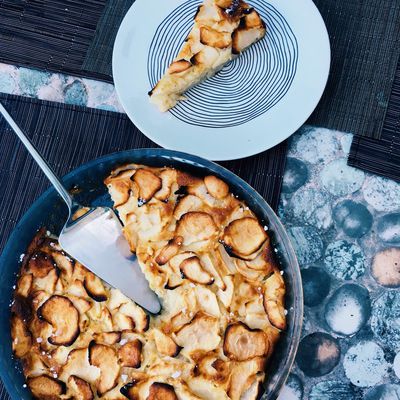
x=39, y=159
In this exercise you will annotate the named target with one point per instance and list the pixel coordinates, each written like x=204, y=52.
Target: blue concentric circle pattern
x=244, y=89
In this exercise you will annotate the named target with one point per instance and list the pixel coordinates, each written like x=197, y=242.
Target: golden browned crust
x=209, y=259
x=81, y=389
x=46, y=388
x=162, y=391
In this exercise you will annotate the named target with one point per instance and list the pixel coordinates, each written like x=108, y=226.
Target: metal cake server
x=95, y=238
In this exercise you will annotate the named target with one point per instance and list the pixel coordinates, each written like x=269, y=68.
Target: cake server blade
x=95, y=239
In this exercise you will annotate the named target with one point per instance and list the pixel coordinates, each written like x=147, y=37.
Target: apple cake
x=222, y=30
x=210, y=261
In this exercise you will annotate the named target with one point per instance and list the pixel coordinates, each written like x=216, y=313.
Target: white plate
x=254, y=103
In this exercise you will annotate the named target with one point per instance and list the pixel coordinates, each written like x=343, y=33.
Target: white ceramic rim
x=260, y=134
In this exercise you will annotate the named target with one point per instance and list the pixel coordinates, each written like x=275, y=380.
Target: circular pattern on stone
x=340, y=179
x=396, y=365
x=382, y=193
x=333, y=390
x=244, y=89
x=388, y=228
x=386, y=267
x=344, y=260
x=296, y=175
x=384, y=392
x=75, y=93
x=318, y=354
x=365, y=364
x=316, y=285
x=385, y=319
x=307, y=243
x=316, y=145
x=293, y=389
x=30, y=81
x=353, y=218
x=349, y=308
x=312, y=207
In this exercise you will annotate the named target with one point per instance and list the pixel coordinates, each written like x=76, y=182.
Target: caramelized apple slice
x=225, y=261
x=274, y=296
x=250, y=274
x=226, y=295
x=179, y=66
x=46, y=388
x=192, y=269
x=161, y=391
x=168, y=177
x=205, y=389
x=64, y=264
x=196, y=226
x=186, y=204
x=119, y=189
x=104, y=358
x=77, y=289
x=82, y=305
x=179, y=320
x=216, y=187
x=264, y=261
x=169, y=251
x=140, y=318
x=211, y=268
x=184, y=179
x=59, y=312
x=164, y=344
x=109, y=338
x=49, y=282
x=242, y=343
x=213, y=38
x=116, y=299
x=253, y=20
x=244, y=236
x=80, y=388
x=130, y=354
x=242, y=38
x=148, y=184
x=200, y=334
x=94, y=287
x=245, y=379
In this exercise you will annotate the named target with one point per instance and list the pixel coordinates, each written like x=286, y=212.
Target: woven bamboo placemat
x=76, y=37
x=365, y=39
x=381, y=156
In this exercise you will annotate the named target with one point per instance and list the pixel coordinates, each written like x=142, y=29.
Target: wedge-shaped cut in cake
x=222, y=30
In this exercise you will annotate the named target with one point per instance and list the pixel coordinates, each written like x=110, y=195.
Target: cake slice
x=222, y=30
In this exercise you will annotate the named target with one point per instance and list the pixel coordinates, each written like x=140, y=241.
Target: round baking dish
x=87, y=182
